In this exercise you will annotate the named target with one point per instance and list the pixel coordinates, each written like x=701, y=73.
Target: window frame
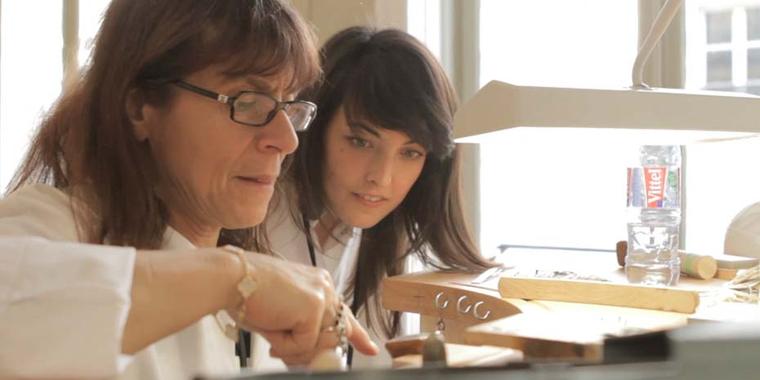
x=739, y=45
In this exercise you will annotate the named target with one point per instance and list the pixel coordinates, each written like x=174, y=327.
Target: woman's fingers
x=320, y=333
x=295, y=344
x=295, y=307
x=328, y=339
x=291, y=303
x=358, y=336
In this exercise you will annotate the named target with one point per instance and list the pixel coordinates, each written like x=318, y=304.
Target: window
x=723, y=45
x=550, y=189
x=31, y=69
x=722, y=53
x=424, y=23
x=90, y=17
x=30, y=75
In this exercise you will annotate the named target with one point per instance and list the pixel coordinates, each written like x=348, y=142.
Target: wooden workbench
x=418, y=292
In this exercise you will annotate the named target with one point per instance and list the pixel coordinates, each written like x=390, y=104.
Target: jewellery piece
x=246, y=286
x=340, y=325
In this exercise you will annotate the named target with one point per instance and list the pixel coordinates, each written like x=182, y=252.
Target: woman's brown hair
x=391, y=80
x=86, y=146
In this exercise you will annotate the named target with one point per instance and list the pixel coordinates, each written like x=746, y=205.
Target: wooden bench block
x=600, y=293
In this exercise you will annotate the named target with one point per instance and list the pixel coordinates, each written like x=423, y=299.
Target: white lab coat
x=339, y=258
x=63, y=304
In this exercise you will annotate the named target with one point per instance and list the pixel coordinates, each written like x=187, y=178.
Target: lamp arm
x=659, y=26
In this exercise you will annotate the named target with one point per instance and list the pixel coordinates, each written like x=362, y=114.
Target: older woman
x=168, y=148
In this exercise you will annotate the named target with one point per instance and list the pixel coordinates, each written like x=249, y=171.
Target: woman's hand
x=328, y=340
x=291, y=305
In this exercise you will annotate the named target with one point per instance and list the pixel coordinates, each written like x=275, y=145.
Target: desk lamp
x=639, y=114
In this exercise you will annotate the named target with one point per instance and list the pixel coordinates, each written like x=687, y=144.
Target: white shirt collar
x=175, y=240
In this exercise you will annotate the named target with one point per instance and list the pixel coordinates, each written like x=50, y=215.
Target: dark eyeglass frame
x=230, y=101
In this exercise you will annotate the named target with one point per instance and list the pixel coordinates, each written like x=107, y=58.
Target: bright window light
x=424, y=23
x=555, y=192
x=90, y=17
x=31, y=71
x=722, y=53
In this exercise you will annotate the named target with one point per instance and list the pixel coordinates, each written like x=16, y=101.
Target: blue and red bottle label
x=654, y=187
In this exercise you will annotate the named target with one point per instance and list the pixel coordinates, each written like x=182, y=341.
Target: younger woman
x=376, y=178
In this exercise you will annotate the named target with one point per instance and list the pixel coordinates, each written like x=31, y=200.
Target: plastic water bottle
x=654, y=216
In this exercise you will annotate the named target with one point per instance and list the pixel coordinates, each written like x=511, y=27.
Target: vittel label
x=655, y=178
x=653, y=187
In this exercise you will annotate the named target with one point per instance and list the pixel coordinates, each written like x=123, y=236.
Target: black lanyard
x=313, y=257
x=243, y=347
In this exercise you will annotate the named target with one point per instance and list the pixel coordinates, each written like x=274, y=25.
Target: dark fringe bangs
x=389, y=104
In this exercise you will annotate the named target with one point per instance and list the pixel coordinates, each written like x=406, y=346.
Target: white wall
x=330, y=16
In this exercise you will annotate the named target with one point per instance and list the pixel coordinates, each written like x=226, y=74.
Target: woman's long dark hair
x=390, y=79
x=86, y=146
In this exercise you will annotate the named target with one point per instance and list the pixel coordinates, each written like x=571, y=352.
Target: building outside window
x=722, y=53
x=723, y=45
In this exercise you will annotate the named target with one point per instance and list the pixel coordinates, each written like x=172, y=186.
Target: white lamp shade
x=645, y=115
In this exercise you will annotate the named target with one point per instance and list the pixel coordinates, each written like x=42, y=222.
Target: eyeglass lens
x=256, y=108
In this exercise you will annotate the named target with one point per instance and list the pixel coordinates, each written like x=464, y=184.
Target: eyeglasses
x=257, y=109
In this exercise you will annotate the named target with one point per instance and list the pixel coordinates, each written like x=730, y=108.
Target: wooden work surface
x=500, y=320
x=416, y=292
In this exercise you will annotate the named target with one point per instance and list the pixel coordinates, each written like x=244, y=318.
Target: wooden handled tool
x=429, y=350
x=406, y=345
x=431, y=346
x=699, y=266
x=540, y=336
x=577, y=332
